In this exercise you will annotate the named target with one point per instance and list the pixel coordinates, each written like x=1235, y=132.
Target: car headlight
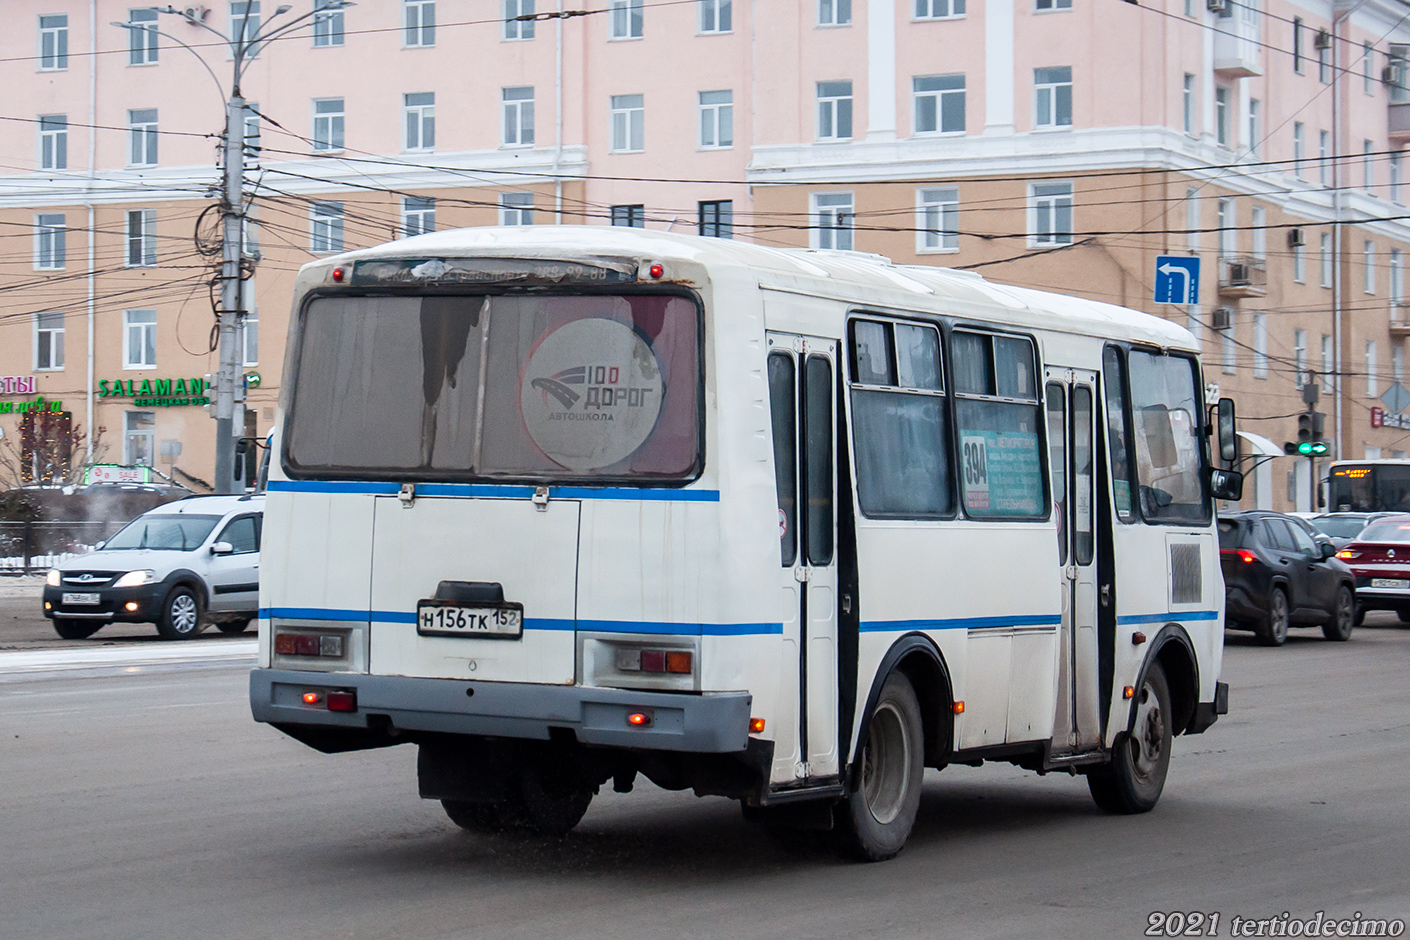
x=52, y=579
x=134, y=578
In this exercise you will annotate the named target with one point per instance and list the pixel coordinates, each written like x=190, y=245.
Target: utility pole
x=243, y=46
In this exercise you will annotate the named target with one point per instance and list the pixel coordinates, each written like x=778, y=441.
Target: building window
x=1050, y=214
x=419, y=22
x=518, y=105
x=142, y=37
x=629, y=216
x=1368, y=266
x=1300, y=357
x=141, y=238
x=326, y=219
x=938, y=219
x=625, y=17
x=717, y=218
x=139, y=339
x=1324, y=162
x=716, y=16
x=834, y=110
x=832, y=220
x=252, y=130
x=418, y=215
x=1368, y=57
x=1227, y=234
x=50, y=235
x=142, y=137
x=1187, y=103
x=1326, y=259
x=514, y=26
x=628, y=124
x=1397, y=276
x=328, y=124
x=1299, y=148
x=1368, y=166
x=53, y=142
x=1228, y=345
x=516, y=209
x=1394, y=162
x=419, y=117
x=54, y=42
x=1260, y=232
x=1299, y=254
x=939, y=104
x=1043, y=5
x=327, y=24
x=1324, y=69
x=1260, y=345
x=1297, y=53
x=139, y=438
x=938, y=9
x=48, y=341
x=834, y=12
x=249, y=323
x=1221, y=116
x=1373, y=387
x=1192, y=220
x=1326, y=363
x=244, y=21
x=1052, y=97
x=716, y=120
x=1397, y=362
x=1254, y=135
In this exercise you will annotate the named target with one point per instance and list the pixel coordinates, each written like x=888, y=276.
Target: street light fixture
x=243, y=47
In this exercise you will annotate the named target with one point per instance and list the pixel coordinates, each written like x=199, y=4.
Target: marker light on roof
x=656, y=271
x=339, y=273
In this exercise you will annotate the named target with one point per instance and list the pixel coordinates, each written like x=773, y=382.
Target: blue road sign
x=1177, y=279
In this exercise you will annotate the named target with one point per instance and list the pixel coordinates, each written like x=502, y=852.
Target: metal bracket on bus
x=541, y=498
x=802, y=574
x=407, y=495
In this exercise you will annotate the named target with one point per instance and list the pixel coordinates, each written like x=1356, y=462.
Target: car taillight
x=327, y=645
x=679, y=662
x=1348, y=553
x=1243, y=554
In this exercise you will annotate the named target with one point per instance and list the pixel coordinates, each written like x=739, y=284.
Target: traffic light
x=1304, y=431
x=1311, y=425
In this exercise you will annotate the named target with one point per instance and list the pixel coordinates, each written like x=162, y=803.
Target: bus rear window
x=600, y=387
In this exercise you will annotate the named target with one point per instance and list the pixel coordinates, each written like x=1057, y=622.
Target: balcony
x=1236, y=44
x=1399, y=122
x=1399, y=318
x=1243, y=276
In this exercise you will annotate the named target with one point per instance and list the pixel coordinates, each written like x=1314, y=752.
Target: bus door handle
x=1106, y=595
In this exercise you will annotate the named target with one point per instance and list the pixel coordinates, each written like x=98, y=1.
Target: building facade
x=1058, y=144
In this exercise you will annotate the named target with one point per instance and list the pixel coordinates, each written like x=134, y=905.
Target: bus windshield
x=595, y=387
x=1369, y=487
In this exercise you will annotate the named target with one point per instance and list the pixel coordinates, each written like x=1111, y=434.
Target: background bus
x=1369, y=486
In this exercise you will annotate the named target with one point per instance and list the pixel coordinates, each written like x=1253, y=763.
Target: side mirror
x=1226, y=484
x=1228, y=438
x=1328, y=549
x=222, y=548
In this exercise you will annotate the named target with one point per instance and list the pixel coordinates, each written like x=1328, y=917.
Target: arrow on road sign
x=1177, y=279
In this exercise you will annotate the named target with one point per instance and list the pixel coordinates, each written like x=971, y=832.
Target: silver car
x=181, y=566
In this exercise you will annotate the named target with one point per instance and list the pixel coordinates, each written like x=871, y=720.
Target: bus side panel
x=316, y=553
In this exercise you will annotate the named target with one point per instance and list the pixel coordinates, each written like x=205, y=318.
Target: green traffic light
x=1312, y=448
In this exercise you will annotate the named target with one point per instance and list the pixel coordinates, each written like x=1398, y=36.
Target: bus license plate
x=1390, y=583
x=81, y=598
x=439, y=618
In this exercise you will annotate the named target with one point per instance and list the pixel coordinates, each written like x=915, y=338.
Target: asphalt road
x=142, y=802
x=23, y=626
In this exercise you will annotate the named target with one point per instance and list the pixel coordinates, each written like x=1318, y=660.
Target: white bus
x=565, y=505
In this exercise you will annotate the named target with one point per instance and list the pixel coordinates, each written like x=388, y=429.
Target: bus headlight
x=135, y=578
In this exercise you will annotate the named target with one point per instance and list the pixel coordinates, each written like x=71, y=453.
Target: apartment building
x=1059, y=144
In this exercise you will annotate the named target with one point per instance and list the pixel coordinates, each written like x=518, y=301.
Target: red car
x=1380, y=559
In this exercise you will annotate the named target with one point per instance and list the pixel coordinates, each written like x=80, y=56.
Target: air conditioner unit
x=1323, y=40
x=1295, y=238
x=1238, y=273
x=1217, y=6
x=195, y=14
x=1222, y=318
x=1387, y=75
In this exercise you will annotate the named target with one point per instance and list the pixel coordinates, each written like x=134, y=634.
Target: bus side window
x=784, y=411
x=999, y=419
x=1115, y=384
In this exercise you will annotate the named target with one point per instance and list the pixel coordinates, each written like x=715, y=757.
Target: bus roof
x=847, y=275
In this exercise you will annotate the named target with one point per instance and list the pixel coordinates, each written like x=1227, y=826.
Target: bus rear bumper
x=388, y=706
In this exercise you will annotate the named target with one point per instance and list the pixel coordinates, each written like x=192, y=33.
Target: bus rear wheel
x=876, y=817
x=1134, y=779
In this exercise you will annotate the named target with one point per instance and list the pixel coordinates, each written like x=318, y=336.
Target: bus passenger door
x=802, y=394
x=1071, y=429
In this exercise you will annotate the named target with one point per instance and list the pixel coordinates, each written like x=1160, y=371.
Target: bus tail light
x=756, y=726
x=329, y=645
x=335, y=700
x=678, y=662
x=639, y=719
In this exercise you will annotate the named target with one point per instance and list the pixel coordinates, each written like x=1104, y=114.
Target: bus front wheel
x=877, y=816
x=1132, y=782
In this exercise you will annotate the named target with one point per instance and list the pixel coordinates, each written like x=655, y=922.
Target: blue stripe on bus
x=1173, y=617
x=961, y=623
x=371, y=488
x=534, y=623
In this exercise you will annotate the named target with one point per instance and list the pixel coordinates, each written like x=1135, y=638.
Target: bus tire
x=551, y=800
x=1134, y=779
x=1343, y=616
x=877, y=816
x=476, y=817
x=1273, y=631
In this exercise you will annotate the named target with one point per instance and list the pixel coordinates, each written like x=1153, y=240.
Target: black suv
x=1277, y=576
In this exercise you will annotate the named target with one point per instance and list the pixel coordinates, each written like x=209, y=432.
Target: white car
x=181, y=566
